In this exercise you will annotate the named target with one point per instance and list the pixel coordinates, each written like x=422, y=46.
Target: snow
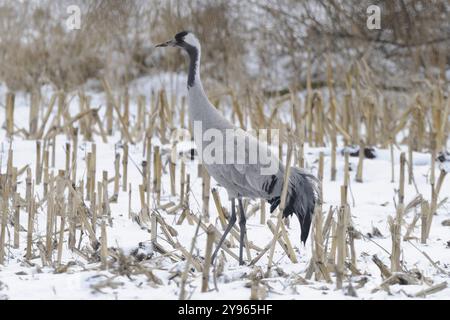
x=371, y=203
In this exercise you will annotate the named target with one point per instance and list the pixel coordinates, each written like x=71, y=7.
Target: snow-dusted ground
x=371, y=203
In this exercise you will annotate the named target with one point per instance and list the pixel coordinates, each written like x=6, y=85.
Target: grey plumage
x=244, y=179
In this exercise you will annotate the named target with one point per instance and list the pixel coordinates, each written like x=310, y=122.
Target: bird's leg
x=227, y=230
x=243, y=230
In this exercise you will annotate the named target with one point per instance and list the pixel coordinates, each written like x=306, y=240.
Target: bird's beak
x=170, y=43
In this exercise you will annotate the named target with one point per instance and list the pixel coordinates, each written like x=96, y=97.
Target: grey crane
x=241, y=177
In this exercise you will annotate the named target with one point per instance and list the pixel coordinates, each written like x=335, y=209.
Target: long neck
x=194, y=67
x=200, y=109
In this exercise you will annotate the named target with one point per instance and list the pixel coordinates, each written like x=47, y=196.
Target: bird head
x=185, y=40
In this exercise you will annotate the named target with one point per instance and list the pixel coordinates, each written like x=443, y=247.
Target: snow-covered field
x=371, y=203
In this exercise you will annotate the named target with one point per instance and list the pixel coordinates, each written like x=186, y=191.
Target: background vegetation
x=259, y=44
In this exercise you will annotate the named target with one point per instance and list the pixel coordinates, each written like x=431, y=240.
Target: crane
x=228, y=154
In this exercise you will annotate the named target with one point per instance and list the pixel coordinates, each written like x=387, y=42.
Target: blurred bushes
x=254, y=43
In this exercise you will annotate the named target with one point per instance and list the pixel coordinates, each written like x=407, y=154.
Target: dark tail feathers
x=303, y=194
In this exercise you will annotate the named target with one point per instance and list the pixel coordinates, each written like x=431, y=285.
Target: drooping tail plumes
x=302, y=196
